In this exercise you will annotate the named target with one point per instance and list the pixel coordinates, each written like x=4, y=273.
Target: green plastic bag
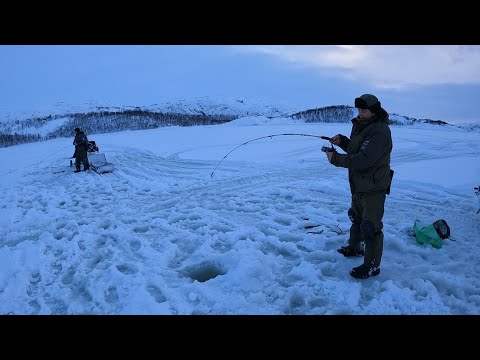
x=427, y=234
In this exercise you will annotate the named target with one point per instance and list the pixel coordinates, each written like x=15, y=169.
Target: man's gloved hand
x=337, y=139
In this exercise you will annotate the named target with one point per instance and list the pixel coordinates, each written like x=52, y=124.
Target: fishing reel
x=328, y=149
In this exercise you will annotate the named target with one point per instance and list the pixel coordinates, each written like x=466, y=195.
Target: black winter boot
x=355, y=245
x=370, y=266
x=364, y=271
x=349, y=251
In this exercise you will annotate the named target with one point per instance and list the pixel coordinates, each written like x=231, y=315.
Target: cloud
x=384, y=66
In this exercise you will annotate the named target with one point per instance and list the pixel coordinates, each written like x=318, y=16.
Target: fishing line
x=265, y=137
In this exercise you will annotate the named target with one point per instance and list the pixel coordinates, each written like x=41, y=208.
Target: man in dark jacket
x=81, y=147
x=367, y=159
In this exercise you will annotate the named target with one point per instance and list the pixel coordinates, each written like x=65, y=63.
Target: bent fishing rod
x=265, y=137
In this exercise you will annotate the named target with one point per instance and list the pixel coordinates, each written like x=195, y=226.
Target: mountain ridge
x=96, y=117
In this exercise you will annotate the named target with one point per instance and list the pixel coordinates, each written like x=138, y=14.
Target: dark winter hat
x=442, y=228
x=77, y=130
x=368, y=101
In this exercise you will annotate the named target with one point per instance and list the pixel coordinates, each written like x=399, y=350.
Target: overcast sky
x=437, y=82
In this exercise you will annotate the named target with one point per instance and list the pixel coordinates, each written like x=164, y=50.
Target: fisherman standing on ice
x=81, y=147
x=367, y=159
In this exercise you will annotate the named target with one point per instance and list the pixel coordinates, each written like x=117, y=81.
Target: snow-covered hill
x=193, y=106
x=98, y=117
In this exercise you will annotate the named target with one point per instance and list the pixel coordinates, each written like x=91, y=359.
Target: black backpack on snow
x=92, y=147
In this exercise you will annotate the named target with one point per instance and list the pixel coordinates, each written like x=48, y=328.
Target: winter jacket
x=80, y=141
x=367, y=155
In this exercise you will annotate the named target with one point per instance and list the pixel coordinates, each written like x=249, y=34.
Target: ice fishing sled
x=98, y=163
x=96, y=160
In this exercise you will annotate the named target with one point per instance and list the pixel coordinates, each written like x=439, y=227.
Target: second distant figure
x=81, y=147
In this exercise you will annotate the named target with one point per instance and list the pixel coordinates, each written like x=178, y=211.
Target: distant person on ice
x=367, y=159
x=81, y=147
